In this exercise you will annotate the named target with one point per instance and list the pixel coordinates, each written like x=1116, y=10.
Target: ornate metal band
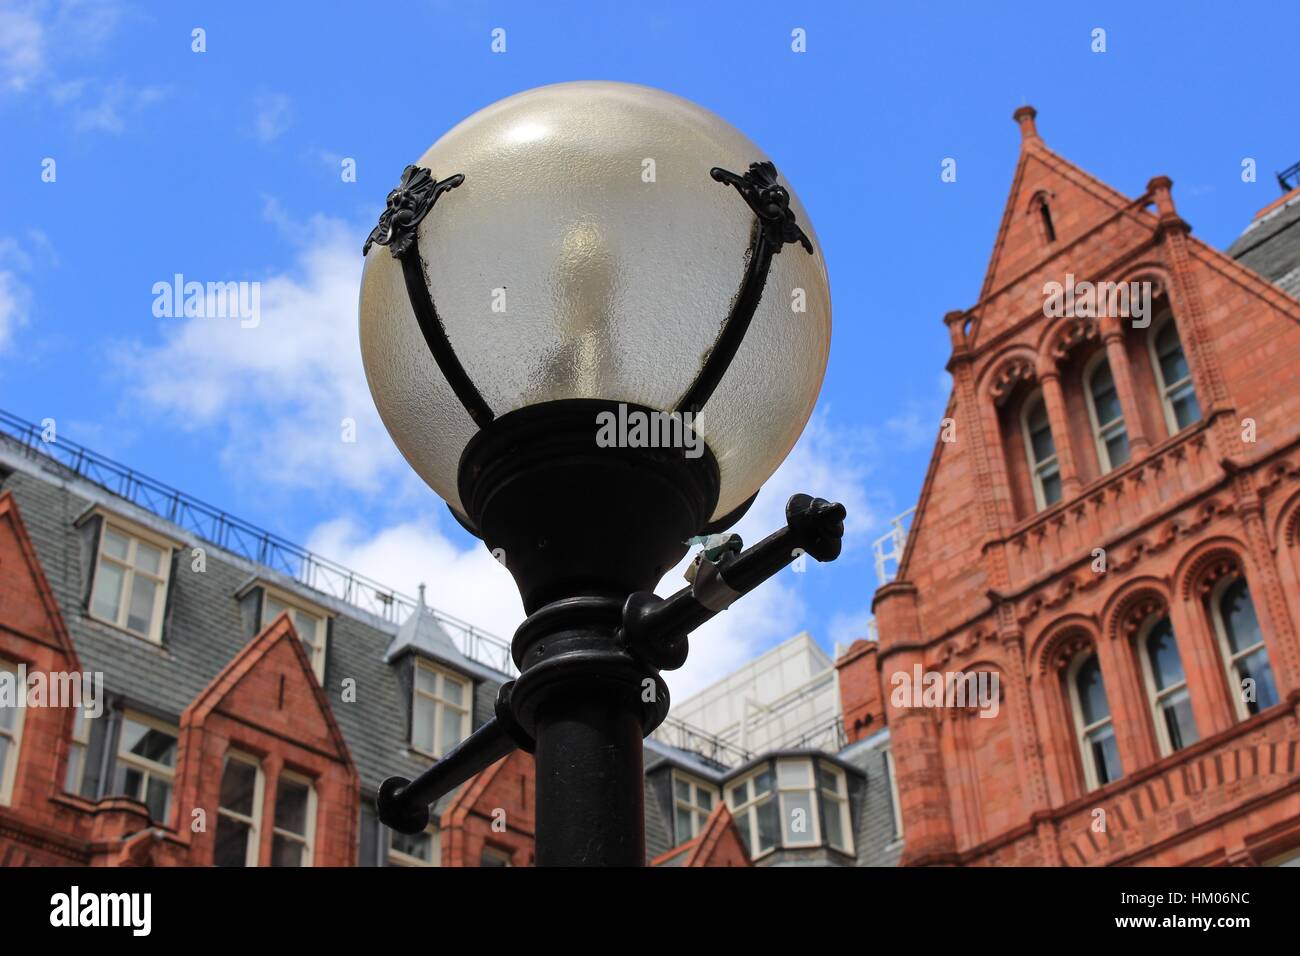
x=775, y=226
x=407, y=206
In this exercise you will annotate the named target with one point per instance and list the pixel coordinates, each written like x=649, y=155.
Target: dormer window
x=130, y=584
x=312, y=625
x=441, y=710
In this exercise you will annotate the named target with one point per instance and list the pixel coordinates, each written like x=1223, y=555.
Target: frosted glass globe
x=588, y=253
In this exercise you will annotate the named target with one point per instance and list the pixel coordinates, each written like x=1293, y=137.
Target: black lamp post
x=616, y=361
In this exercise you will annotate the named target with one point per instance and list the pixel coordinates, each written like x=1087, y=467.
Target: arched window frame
x=1230, y=658
x=1167, y=389
x=1050, y=465
x=1102, y=433
x=1092, y=779
x=1156, y=697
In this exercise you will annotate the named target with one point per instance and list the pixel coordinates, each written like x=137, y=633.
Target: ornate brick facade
x=1114, y=503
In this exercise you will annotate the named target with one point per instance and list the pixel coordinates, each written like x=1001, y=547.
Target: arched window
x=1043, y=469
x=1173, y=376
x=1093, y=725
x=1108, y=429
x=1166, y=685
x=1242, y=643
x=1045, y=216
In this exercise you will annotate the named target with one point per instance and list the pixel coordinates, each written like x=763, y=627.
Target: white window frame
x=1038, y=468
x=315, y=644
x=745, y=812
x=1102, y=433
x=9, y=772
x=1225, y=648
x=307, y=839
x=830, y=801
x=1082, y=730
x=1156, y=697
x=1166, y=317
x=150, y=768
x=79, y=745
x=398, y=858
x=253, y=854
x=441, y=706
x=892, y=773
x=134, y=535
x=698, y=813
x=813, y=833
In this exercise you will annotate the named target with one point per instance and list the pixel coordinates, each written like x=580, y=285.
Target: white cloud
x=274, y=113
x=22, y=45
x=13, y=310
x=104, y=106
x=281, y=390
x=15, y=296
x=84, y=29
x=469, y=584
x=466, y=583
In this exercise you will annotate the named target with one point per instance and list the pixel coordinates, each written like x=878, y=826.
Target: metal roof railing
x=247, y=540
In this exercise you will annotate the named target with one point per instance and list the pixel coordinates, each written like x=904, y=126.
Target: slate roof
x=1271, y=244
x=206, y=626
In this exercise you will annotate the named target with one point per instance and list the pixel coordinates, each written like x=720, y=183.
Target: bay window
x=692, y=803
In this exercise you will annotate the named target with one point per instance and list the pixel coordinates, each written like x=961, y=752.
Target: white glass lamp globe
x=588, y=253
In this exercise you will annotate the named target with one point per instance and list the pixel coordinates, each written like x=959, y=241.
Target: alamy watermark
x=80, y=690
x=638, y=428
x=213, y=300
x=979, y=689
x=1096, y=300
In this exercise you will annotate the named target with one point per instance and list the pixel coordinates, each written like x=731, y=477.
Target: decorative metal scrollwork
x=408, y=204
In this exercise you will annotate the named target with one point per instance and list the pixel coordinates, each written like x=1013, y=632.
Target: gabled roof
x=1038, y=169
x=21, y=589
x=225, y=686
x=719, y=844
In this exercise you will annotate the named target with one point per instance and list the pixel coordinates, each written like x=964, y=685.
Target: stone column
x=1055, y=401
x=1117, y=356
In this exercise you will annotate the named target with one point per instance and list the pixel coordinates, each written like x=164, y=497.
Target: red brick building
x=1110, y=523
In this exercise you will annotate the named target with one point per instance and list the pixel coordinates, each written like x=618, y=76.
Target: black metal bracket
x=558, y=653
x=398, y=229
x=656, y=629
x=776, y=225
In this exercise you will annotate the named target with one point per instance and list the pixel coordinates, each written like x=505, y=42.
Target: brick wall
x=992, y=582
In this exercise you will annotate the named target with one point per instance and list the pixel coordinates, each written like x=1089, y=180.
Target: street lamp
x=595, y=321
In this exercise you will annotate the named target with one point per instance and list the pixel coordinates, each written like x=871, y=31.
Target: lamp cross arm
x=403, y=805
x=656, y=628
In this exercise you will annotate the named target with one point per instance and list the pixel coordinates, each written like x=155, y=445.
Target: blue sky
x=225, y=165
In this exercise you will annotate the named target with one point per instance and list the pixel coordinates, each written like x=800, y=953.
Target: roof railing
x=247, y=540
